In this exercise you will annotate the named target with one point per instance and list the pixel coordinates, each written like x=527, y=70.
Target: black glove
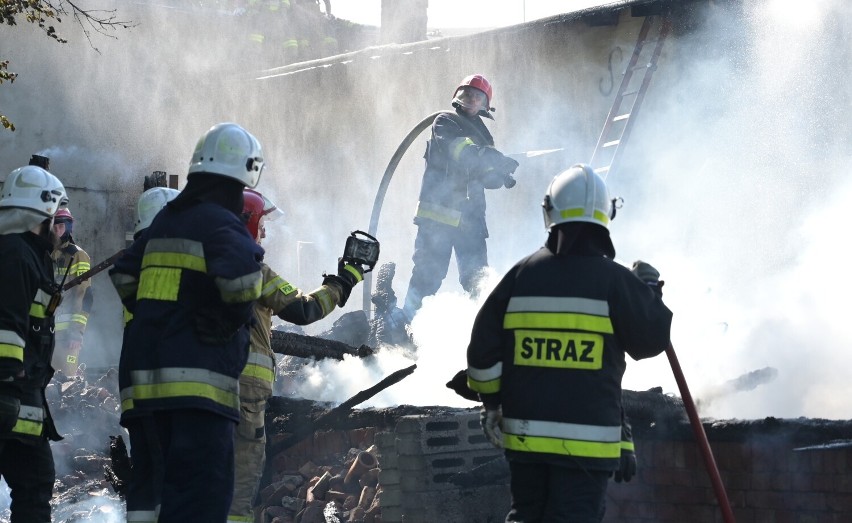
x=648, y=274
x=508, y=165
x=348, y=275
x=627, y=466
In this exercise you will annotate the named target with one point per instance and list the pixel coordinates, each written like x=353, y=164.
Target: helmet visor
x=471, y=98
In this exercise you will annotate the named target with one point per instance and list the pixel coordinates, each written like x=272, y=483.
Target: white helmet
x=150, y=203
x=229, y=150
x=577, y=195
x=32, y=187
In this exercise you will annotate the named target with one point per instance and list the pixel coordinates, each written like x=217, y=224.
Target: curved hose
x=383, y=189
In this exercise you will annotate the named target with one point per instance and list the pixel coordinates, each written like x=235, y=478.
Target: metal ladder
x=620, y=119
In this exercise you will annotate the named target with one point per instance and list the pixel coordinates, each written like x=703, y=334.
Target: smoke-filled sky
x=743, y=209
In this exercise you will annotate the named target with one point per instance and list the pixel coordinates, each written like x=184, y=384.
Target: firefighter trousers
x=183, y=467
x=542, y=492
x=28, y=470
x=250, y=453
x=433, y=247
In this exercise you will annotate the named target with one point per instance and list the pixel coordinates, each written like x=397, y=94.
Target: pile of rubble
x=348, y=492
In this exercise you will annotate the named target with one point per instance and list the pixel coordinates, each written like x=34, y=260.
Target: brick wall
x=774, y=471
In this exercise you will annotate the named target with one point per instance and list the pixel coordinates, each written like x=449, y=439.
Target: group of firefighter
x=545, y=358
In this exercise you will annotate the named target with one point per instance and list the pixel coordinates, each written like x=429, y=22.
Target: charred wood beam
x=329, y=418
x=301, y=346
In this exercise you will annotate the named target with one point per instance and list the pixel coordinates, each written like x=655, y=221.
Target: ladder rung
x=621, y=117
x=601, y=169
x=630, y=93
x=648, y=65
x=610, y=144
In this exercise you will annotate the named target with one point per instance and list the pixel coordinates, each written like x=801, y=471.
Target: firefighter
x=190, y=281
x=70, y=261
x=284, y=300
x=547, y=354
x=461, y=162
x=150, y=203
x=30, y=198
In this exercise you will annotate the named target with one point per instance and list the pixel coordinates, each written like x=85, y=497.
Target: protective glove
x=348, y=275
x=508, y=165
x=627, y=464
x=491, y=419
x=646, y=272
x=9, y=408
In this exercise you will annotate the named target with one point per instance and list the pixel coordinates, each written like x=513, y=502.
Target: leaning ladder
x=620, y=119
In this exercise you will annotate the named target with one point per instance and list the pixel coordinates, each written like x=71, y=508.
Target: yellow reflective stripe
x=257, y=371
x=11, y=338
x=127, y=315
x=571, y=439
x=291, y=43
x=32, y=428
x=12, y=351
x=256, y=38
x=80, y=318
x=79, y=268
x=628, y=446
x=580, y=212
x=189, y=388
x=174, y=260
x=159, y=283
x=326, y=301
x=239, y=519
x=457, y=146
x=486, y=381
x=583, y=449
x=438, y=213
x=277, y=284
x=37, y=310
x=352, y=270
x=557, y=320
x=61, y=326
x=485, y=387
x=181, y=382
x=30, y=421
x=240, y=289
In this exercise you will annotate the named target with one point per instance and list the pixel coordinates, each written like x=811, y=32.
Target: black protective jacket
x=549, y=346
x=461, y=162
x=26, y=332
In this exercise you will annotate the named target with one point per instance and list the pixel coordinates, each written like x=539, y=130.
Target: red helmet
x=256, y=206
x=63, y=216
x=478, y=82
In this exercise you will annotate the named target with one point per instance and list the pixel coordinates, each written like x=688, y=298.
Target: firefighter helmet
x=577, y=195
x=227, y=149
x=150, y=203
x=255, y=207
x=32, y=187
x=469, y=95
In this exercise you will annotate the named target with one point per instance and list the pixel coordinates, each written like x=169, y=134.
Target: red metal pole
x=701, y=436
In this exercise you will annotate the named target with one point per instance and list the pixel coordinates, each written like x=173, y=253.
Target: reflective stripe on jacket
x=549, y=346
x=26, y=332
x=452, y=191
x=283, y=299
x=73, y=314
x=189, y=281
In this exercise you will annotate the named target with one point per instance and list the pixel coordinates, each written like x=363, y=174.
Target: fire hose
x=701, y=436
x=383, y=189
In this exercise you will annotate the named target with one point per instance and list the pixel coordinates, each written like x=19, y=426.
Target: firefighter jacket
x=73, y=315
x=190, y=281
x=282, y=299
x=461, y=163
x=26, y=333
x=549, y=344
